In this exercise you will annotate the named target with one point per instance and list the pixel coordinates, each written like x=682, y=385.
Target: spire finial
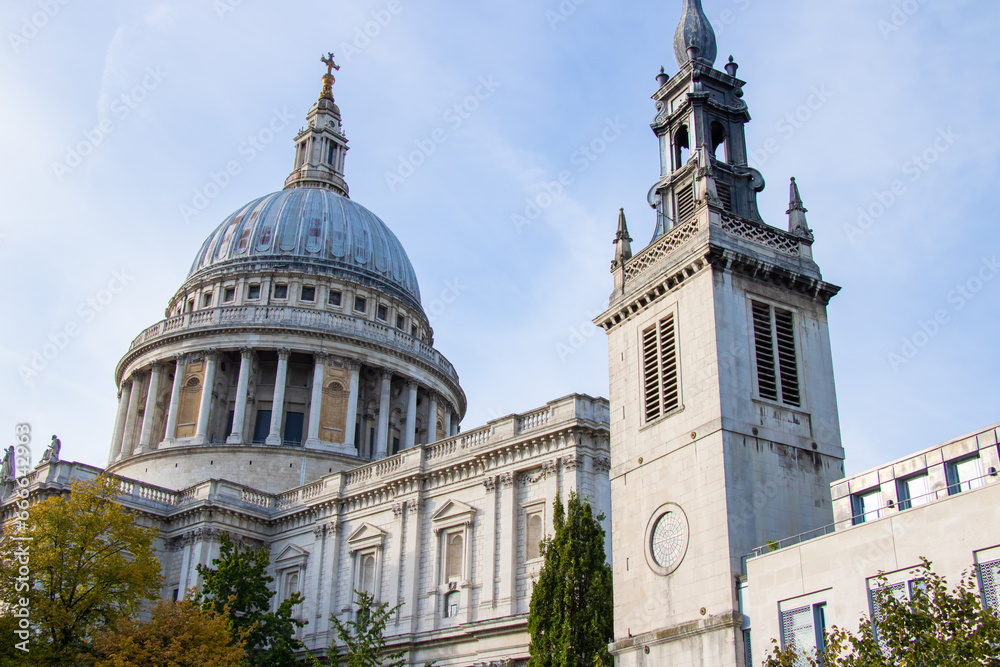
x=694, y=30
x=797, y=213
x=328, y=79
x=623, y=242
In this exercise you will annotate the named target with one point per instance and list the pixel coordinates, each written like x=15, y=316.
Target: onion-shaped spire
x=695, y=36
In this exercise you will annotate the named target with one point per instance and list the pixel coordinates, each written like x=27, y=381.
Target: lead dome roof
x=313, y=225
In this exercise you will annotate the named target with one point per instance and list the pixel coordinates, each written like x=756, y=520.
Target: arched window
x=454, y=556
x=682, y=147
x=718, y=139
x=534, y=536
x=368, y=574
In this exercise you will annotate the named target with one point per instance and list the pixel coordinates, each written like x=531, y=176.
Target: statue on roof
x=51, y=454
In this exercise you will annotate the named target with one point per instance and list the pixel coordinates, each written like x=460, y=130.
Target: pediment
x=291, y=552
x=454, y=511
x=365, y=537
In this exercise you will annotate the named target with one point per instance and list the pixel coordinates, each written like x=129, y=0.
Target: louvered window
x=685, y=203
x=803, y=629
x=774, y=346
x=989, y=578
x=661, y=387
x=879, y=601
x=725, y=195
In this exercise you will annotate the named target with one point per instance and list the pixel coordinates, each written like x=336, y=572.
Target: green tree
x=178, y=634
x=937, y=627
x=363, y=638
x=89, y=564
x=570, y=619
x=238, y=586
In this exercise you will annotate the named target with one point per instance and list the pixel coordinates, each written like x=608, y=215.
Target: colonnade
x=131, y=416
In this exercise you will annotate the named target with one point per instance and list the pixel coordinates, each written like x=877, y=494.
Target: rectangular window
x=253, y=291
x=293, y=428
x=989, y=584
x=774, y=347
x=913, y=491
x=360, y=304
x=206, y=300
x=867, y=506
x=660, y=380
x=964, y=474
x=261, y=426
x=333, y=298
x=878, y=598
x=308, y=293
x=382, y=313
x=413, y=330
x=400, y=322
x=280, y=291
x=803, y=630
x=229, y=294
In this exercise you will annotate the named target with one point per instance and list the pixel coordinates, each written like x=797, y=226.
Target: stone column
x=382, y=431
x=316, y=402
x=242, y=386
x=278, y=402
x=352, y=402
x=432, y=417
x=146, y=432
x=411, y=573
x=207, y=385
x=447, y=421
x=410, y=437
x=175, y=398
x=124, y=395
x=507, y=602
x=130, y=418
x=490, y=550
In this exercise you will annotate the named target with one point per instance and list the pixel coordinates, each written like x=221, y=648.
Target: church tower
x=724, y=424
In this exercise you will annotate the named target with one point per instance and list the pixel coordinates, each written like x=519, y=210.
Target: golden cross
x=330, y=65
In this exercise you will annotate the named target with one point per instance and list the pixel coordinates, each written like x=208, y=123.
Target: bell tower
x=724, y=425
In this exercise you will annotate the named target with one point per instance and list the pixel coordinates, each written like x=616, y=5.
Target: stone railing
x=662, y=247
x=289, y=317
x=761, y=234
x=147, y=493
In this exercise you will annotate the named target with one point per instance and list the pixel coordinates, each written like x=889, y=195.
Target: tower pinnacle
x=623, y=242
x=797, y=213
x=694, y=37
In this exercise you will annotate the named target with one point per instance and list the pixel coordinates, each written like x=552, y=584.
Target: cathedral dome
x=311, y=225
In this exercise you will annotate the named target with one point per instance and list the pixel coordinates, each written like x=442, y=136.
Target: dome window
x=206, y=300
x=280, y=291
x=360, y=304
x=308, y=293
x=334, y=298
x=229, y=294
x=253, y=291
x=382, y=313
x=400, y=322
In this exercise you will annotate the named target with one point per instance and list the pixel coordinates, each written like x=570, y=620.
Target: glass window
x=308, y=293
x=913, y=491
x=229, y=294
x=360, y=304
x=400, y=322
x=382, y=313
x=534, y=536
x=281, y=291
x=867, y=506
x=206, y=300
x=454, y=555
x=451, y=604
x=989, y=584
x=334, y=298
x=803, y=629
x=253, y=292
x=964, y=474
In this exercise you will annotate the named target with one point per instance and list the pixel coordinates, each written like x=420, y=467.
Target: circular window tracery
x=666, y=539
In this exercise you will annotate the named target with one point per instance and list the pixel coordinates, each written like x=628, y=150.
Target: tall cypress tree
x=570, y=619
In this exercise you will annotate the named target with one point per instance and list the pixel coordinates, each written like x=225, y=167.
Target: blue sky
x=877, y=106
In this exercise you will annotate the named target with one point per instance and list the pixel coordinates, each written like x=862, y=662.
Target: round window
x=666, y=539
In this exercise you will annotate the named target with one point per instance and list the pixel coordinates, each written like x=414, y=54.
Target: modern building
x=293, y=398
